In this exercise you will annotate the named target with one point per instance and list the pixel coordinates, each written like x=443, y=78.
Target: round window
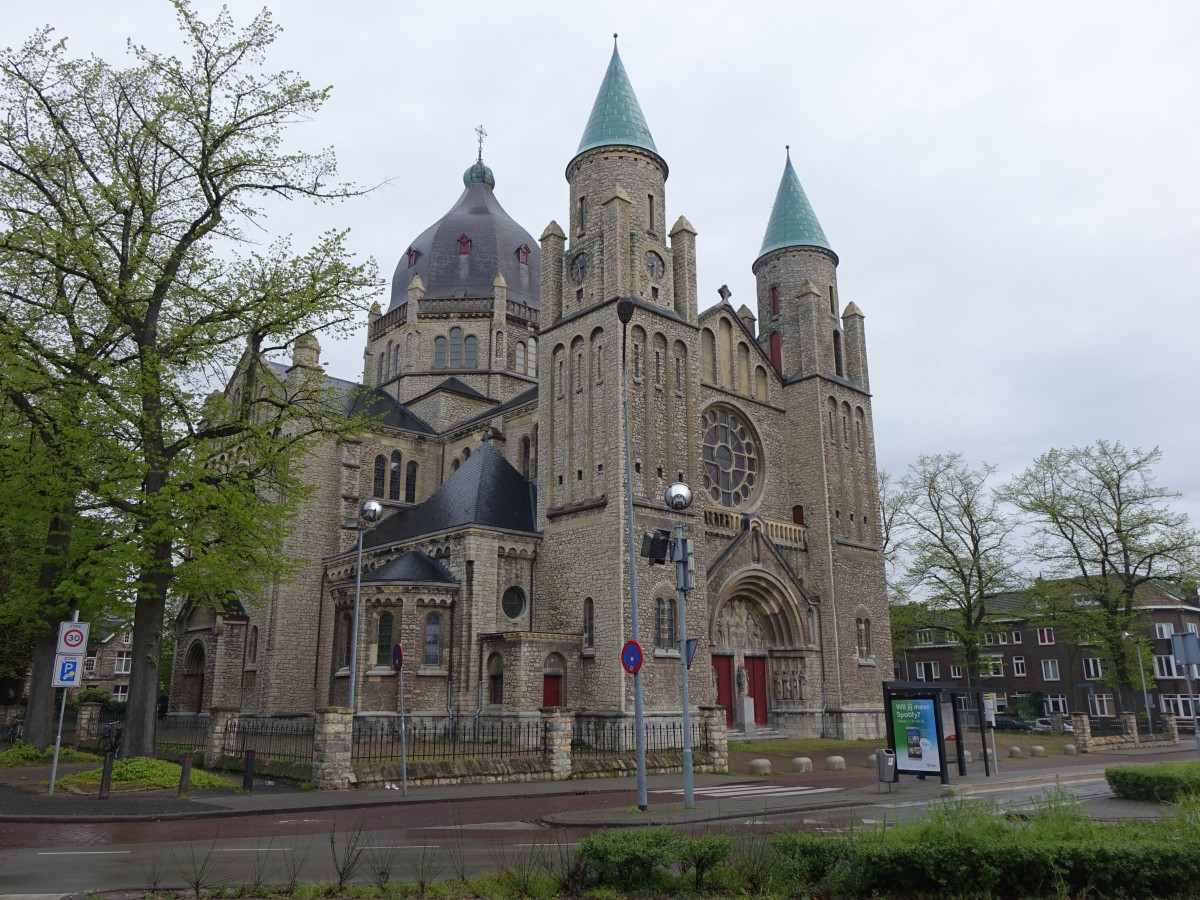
x=732, y=459
x=513, y=603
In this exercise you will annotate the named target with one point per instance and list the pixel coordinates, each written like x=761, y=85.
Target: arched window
x=396, y=473
x=379, y=377
x=433, y=639
x=410, y=482
x=495, y=668
x=456, y=341
x=470, y=352
x=863, y=627
x=347, y=640
x=439, y=352
x=589, y=623
x=525, y=456
x=454, y=464
x=531, y=362
x=774, y=300
x=466, y=453
x=708, y=356
x=252, y=649
x=837, y=353
x=383, y=641
x=797, y=515
x=397, y=359
x=775, y=343
x=812, y=626
x=388, y=371
x=520, y=363
x=664, y=624
x=380, y=475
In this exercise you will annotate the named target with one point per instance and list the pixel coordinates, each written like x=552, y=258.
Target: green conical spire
x=616, y=116
x=793, y=222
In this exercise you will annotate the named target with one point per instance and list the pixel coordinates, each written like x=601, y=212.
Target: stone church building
x=495, y=379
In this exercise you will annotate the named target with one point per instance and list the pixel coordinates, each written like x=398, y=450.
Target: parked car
x=1012, y=723
x=1045, y=725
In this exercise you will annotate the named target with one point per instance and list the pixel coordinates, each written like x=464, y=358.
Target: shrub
x=630, y=858
x=703, y=854
x=1158, y=781
x=145, y=774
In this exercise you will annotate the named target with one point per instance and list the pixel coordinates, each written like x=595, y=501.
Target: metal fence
x=609, y=736
x=379, y=740
x=180, y=734
x=286, y=740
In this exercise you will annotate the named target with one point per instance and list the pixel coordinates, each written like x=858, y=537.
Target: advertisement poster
x=915, y=728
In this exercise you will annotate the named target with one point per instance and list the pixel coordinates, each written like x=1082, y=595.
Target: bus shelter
x=920, y=718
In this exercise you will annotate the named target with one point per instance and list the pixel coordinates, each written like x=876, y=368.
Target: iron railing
x=181, y=734
x=286, y=740
x=426, y=740
x=610, y=736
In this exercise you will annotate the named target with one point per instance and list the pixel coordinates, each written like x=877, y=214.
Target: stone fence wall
x=1129, y=737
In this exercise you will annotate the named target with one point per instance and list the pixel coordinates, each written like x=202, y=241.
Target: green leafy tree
x=132, y=283
x=1104, y=528
x=959, y=542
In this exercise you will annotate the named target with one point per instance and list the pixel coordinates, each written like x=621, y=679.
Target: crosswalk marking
x=752, y=790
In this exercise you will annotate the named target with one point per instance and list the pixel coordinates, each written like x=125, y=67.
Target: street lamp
x=1142, y=672
x=625, y=313
x=370, y=513
x=679, y=498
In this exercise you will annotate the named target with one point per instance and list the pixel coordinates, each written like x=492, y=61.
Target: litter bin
x=885, y=764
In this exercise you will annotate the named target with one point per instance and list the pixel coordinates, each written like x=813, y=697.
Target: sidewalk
x=23, y=796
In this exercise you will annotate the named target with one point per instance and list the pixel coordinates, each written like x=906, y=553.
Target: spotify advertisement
x=914, y=725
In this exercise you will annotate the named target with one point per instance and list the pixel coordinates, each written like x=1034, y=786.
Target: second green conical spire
x=793, y=222
x=616, y=117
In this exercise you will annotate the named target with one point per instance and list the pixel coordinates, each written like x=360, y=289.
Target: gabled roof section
x=793, y=222
x=522, y=399
x=384, y=409
x=616, y=117
x=412, y=566
x=485, y=491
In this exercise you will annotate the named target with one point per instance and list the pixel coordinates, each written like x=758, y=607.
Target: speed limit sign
x=72, y=638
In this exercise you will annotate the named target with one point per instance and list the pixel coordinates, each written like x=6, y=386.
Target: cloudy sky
x=1013, y=188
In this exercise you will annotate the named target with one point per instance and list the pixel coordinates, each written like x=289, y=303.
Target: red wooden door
x=756, y=686
x=723, y=666
x=551, y=690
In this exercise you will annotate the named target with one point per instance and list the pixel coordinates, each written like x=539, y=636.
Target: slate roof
x=378, y=405
x=413, y=565
x=526, y=396
x=616, y=117
x=485, y=491
x=793, y=222
x=495, y=239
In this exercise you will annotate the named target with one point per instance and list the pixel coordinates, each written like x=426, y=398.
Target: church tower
x=820, y=356
x=617, y=245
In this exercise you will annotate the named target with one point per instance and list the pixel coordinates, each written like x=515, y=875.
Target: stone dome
x=461, y=254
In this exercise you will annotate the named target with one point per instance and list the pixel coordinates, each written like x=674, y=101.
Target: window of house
x=89, y=664
x=380, y=476
x=1193, y=628
x=664, y=624
x=1045, y=636
x=433, y=639
x=397, y=472
x=1050, y=670
x=1016, y=637
x=121, y=693
x=928, y=671
x=988, y=639
x=924, y=636
x=383, y=640
x=956, y=672
x=862, y=629
x=991, y=665
x=1101, y=705
x=410, y=482
x=127, y=638
x=124, y=663
x=1054, y=703
x=1179, y=705
x=589, y=623
x=1163, y=629
x=1092, y=670
x=496, y=678
x=1164, y=667
x=1018, y=664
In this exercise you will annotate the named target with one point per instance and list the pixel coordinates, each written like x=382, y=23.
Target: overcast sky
x=1013, y=188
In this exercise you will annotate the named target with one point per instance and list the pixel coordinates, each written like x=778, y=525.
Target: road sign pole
x=62, y=709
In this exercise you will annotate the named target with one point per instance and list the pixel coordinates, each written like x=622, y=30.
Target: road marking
x=753, y=790
x=82, y=852
x=551, y=846
x=254, y=849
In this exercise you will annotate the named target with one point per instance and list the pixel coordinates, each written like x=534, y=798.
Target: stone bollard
x=801, y=764
x=835, y=763
x=1069, y=749
x=760, y=767
x=1037, y=750
x=967, y=757
x=1014, y=752
x=872, y=759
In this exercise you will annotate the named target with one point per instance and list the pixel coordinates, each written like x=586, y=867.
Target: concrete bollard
x=872, y=759
x=1069, y=749
x=760, y=767
x=1014, y=752
x=185, y=776
x=967, y=757
x=835, y=763
x=1037, y=750
x=801, y=764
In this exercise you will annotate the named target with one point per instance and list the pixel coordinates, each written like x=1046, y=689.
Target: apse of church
x=495, y=377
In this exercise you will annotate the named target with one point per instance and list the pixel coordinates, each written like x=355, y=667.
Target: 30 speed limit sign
x=72, y=638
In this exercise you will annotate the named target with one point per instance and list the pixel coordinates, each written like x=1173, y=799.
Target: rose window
x=731, y=457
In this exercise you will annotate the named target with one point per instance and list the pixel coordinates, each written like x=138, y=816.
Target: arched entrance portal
x=760, y=649
x=193, y=679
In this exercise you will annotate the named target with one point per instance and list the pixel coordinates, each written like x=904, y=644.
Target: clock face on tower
x=654, y=265
x=732, y=459
x=579, y=268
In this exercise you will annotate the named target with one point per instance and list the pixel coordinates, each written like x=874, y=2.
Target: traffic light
x=656, y=545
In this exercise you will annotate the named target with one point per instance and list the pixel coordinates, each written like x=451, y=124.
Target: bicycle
x=110, y=737
x=13, y=733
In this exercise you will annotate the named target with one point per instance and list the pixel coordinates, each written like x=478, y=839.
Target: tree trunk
x=141, y=713
x=41, y=714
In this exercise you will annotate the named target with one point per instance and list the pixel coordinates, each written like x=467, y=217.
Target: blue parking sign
x=68, y=671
